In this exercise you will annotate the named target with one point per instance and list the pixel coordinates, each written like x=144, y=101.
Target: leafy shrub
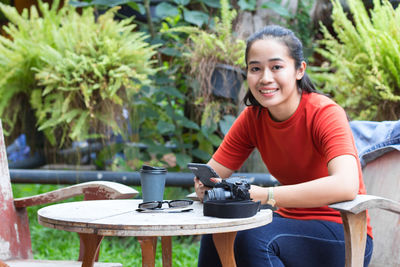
x=364, y=70
x=206, y=48
x=76, y=70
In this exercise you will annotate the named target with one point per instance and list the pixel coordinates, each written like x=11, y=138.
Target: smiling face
x=272, y=77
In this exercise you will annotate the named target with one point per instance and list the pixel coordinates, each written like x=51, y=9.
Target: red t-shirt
x=296, y=150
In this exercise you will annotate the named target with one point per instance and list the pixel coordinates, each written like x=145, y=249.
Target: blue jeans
x=286, y=242
x=373, y=138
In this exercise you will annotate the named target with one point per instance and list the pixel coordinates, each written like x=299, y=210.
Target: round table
x=98, y=218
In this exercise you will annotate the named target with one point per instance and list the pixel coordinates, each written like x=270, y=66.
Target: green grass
x=52, y=244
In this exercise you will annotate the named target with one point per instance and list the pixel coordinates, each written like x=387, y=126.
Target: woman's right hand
x=200, y=188
x=222, y=171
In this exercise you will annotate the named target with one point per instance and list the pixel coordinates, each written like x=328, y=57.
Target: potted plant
x=216, y=57
x=71, y=73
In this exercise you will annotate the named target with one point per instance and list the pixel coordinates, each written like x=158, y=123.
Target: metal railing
x=178, y=179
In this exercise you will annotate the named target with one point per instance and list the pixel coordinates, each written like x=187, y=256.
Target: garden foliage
x=216, y=45
x=219, y=44
x=364, y=60
x=76, y=70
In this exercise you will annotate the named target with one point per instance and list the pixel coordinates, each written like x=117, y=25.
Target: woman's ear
x=301, y=70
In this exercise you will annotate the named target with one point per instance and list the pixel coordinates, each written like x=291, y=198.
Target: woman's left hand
x=258, y=193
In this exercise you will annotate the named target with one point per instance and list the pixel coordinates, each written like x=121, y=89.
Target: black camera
x=234, y=188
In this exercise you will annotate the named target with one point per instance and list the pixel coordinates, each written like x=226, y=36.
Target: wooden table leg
x=166, y=243
x=224, y=244
x=82, y=251
x=355, y=237
x=91, y=244
x=149, y=246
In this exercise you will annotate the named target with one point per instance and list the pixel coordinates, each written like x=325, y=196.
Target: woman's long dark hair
x=295, y=48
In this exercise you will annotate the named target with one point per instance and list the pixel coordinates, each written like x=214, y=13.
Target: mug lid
x=147, y=168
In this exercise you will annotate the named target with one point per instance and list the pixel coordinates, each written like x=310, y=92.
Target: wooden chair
x=382, y=180
x=15, y=240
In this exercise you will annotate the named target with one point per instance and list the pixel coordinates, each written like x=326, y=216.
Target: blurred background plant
x=209, y=47
x=362, y=67
x=70, y=73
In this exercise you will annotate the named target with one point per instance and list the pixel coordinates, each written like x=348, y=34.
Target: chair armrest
x=364, y=202
x=91, y=191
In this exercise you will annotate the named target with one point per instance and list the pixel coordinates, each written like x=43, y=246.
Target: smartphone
x=204, y=172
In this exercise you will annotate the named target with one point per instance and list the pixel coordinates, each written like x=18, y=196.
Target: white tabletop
x=120, y=218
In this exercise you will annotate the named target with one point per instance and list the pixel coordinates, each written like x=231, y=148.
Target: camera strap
x=229, y=208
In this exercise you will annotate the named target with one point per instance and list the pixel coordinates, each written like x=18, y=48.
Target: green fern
x=364, y=68
x=77, y=72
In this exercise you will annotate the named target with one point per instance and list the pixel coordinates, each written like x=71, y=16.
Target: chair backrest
x=15, y=239
x=382, y=178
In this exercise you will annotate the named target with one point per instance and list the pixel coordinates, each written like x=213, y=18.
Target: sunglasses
x=152, y=205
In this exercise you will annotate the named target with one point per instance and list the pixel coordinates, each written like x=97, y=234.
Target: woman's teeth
x=268, y=91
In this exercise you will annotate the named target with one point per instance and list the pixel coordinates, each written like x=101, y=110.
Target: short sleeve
x=238, y=143
x=332, y=130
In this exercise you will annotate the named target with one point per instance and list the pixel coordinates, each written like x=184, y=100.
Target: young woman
x=305, y=140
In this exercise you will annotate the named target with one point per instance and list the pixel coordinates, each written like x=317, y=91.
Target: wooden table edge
x=105, y=230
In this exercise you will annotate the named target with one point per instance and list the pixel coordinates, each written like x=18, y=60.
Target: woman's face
x=272, y=76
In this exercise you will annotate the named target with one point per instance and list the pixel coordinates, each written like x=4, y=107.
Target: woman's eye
x=276, y=67
x=254, y=69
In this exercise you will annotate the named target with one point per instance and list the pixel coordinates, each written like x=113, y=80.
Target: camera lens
x=217, y=194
